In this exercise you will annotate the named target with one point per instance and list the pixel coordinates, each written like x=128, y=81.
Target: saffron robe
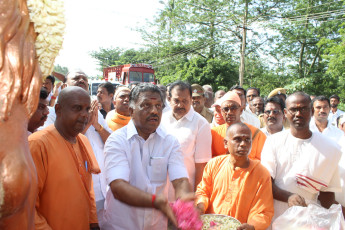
x=219, y=132
x=65, y=198
x=243, y=193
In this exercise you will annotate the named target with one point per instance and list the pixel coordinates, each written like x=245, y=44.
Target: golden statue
x=20, y=82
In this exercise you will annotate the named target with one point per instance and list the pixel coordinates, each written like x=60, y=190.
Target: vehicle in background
x=93, y=87
x=129, y=74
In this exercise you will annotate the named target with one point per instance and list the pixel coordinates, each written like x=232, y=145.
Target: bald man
x=119, y=117
x=65, y=163
x=248, y=196
x=97, y=132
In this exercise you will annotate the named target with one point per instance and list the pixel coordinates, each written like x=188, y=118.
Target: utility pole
x=244, y=41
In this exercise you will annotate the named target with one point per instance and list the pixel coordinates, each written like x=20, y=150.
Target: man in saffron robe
x=64, y=162
x=119, y=117
x=231, y=110
x=235, y=185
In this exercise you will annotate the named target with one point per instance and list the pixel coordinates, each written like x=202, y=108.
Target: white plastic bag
x=313, y=217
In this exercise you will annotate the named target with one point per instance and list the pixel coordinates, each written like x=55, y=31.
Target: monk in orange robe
x=64, y=161
x=119, y=117
x=231, y=110
x=237, y=186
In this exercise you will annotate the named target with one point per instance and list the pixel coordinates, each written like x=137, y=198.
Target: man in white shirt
x=251, y=93
x=319, y=122
x=303, y=164
x=273, y=116
x=97, y=132
x=192, y=130
x=138, y=159
x=256, y=106
x=340, y=196
x=335, y=112
x=246, y=116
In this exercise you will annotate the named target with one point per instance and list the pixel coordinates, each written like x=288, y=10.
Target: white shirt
x=250, y=118
x=332, y=117
x=330, y=131
x=145, y=165
x=340, y=196
x=99, y=183
x=193, y=132
x=302, y=166
x=50, y=96
x=265, y=131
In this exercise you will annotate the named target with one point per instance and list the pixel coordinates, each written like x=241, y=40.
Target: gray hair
x=141, y=88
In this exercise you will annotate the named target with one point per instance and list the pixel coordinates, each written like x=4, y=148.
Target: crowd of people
x=119, y=161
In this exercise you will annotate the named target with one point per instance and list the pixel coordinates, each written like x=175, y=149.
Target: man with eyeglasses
x=319, y=122
x=303, y=164
x=231, y=109
x=273, y=116
x=246, y=116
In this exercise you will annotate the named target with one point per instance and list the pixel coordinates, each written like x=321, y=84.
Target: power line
x=277, y=14
x=318, y=15
x=184, y=53
x=317, y=19
x=316, y=6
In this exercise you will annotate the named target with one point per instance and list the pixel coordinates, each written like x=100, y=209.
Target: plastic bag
x=313, y=217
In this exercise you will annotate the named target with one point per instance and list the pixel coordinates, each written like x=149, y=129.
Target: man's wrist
x=153, y=200
x=100, y=128
x=94, y=226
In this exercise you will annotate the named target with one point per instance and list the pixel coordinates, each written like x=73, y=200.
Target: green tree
x=61, y=69
x=210, y=28
x=301, y=26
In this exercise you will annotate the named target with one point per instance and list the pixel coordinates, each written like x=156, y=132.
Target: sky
x=91, y=24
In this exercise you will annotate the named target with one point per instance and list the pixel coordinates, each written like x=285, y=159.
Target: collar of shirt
x=132, y=131
x=313, y=127
x=188, y=116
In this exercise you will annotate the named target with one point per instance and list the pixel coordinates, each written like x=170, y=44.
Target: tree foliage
x=296, y=44
x=61, y=69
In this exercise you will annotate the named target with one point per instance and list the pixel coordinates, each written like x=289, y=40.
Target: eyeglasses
x=275, y=112
x=228, y=109
x=303, y=110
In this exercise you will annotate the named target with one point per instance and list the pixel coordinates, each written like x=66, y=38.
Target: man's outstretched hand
x=161, y=203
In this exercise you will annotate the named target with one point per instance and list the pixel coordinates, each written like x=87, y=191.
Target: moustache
x=272, y=119
x=153, y=116
x=322, y=113
x=44, y=118
x=180, y=109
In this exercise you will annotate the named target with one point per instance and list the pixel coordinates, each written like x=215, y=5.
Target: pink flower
x=186, y=215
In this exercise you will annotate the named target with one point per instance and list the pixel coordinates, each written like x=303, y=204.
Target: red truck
x=129, y=74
